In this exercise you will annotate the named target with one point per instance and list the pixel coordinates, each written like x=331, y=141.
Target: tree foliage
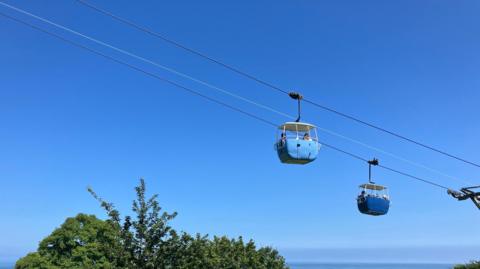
x=145, y=241
x=471, y=265
x=81, y=242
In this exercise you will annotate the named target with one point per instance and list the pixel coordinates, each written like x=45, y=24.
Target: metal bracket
x=297, y=96
x=370, y=163
x=466, y=193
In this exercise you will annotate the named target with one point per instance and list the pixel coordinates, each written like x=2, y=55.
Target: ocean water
x=367, y=266
x=343, y=266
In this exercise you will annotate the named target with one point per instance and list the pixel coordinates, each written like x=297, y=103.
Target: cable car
x=298, y=141
x=373, y=199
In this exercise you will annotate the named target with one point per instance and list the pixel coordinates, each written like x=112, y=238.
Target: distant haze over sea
x=386, y=255
x=368, y=266
x=341, y=266
x=441, y=257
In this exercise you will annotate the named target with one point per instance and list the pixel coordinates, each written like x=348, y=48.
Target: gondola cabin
x=373, y=200
x=297, y=143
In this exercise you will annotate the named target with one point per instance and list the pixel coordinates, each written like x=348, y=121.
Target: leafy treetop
x=144, y=241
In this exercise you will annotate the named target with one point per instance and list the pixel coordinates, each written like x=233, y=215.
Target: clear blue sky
x=69, y=119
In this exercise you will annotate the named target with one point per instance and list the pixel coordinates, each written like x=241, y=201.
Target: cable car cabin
x=373, y=200
x=297, y=143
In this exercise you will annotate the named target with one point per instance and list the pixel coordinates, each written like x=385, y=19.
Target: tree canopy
x=472, y=265
x=83, y=241
x=143, y=241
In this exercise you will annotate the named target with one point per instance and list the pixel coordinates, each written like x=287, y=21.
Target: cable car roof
x=297, y=126
x=375, y=187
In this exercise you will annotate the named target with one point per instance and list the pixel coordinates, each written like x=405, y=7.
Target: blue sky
x=70, y=119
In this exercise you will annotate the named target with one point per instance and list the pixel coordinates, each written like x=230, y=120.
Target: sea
x=343, y=266
x=368, y=266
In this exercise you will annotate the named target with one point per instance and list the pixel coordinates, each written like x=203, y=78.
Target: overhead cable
x=272, y=86
x=189, y=90
x=227, y=92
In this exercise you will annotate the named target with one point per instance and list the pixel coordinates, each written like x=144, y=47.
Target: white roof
x=296, y=126
x=372, y=187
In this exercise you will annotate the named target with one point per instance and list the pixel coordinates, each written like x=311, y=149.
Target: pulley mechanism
x=297, y=96
x=370, y=163
x=466, y=193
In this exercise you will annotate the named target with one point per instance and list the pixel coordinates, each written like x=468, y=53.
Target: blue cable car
x=298, y=143
x=373, y=199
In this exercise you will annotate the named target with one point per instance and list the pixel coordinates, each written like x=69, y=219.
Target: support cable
x=189, y=90
x=293, y=95
x=272, y=86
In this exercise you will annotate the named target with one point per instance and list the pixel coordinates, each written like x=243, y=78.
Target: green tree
x=471, y=265
x=144, y=241
x=34, y=260
x=81, y=242
x=144, y=237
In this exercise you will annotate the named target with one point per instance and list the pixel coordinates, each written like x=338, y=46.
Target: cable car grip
x=370, y=163
x=297, y=96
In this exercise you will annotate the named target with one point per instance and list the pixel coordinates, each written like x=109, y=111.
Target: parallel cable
x=224, y=91
x=343, y=151
x=395, y=156
x=270, y=85
x=140, y=70
x=414, y=177
x=391, y=133
x=189, y=90
x=177, y=44
x=385, y=167
x=143, y=59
